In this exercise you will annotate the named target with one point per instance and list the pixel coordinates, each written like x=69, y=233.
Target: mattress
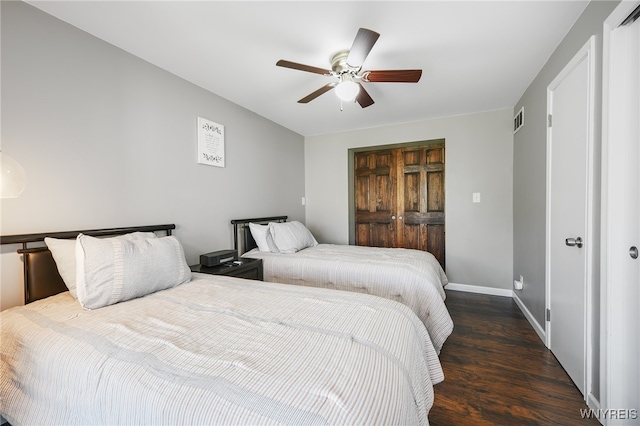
x=218, y=350
x=412, y=277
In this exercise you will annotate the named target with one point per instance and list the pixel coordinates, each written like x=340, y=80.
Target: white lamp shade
x=12, y=177
x=347, y=90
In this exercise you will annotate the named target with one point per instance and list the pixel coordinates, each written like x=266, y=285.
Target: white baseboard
x=482, y=290
x=593, y=402
x=540, y=331
x=506, y=293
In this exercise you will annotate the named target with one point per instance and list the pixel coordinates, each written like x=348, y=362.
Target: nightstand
x=250, y=269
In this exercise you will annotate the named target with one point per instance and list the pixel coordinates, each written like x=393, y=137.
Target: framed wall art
x=210, y=143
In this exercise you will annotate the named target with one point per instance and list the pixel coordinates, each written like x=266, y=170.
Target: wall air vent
x=518, y=120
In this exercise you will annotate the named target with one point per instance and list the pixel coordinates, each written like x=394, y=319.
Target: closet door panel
x=400, y=198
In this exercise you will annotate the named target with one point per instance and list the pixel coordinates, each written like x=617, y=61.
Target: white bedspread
x=218, y=350
x=412, y=277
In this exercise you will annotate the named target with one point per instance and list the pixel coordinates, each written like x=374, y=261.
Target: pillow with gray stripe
x=112, y=270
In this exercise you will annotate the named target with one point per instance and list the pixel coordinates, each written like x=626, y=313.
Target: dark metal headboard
x=248, y=242
x=41, y=277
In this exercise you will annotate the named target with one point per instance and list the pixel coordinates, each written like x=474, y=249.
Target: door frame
x=587, y=52
x=608, y=369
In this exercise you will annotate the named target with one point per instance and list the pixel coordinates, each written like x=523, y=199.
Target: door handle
x=571, y=242
x=633, y=252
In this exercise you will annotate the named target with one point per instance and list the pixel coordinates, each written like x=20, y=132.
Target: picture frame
x=210, y=143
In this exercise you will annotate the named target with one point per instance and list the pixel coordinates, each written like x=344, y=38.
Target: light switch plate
x=476, y=197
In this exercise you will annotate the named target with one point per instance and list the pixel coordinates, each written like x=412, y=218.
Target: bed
x=412, y=277
x=209, y=350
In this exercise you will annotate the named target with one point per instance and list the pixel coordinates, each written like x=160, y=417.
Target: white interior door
x=621, y=217
x=569, y=176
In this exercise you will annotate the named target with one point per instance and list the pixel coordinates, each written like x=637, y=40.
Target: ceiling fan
x=346, y=65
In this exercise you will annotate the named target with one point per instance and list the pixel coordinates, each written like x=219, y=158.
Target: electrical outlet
x=518, y=285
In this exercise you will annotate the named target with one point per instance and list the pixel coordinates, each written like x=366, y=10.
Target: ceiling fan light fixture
x=347, y=89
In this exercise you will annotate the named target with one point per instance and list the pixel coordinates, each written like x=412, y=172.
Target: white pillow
x=64, y=254
x=291, y=237
x=112, y=270
x=262, y=237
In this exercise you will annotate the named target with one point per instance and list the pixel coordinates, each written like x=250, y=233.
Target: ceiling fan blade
x=392, y=76
x=362, y=45
x=302, y=67
x=317, y=93
x=363, y=97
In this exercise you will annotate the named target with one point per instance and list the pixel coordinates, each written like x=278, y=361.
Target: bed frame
x=41, y=277
x=248, y=243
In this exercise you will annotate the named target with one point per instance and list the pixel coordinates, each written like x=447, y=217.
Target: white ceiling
x=475, y=55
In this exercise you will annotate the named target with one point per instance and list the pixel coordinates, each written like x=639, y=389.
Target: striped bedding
x=412, y=277
x=218, y=350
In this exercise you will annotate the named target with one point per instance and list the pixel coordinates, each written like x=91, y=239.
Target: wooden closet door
x=376, y=184
x=421, y=200
x=399, y=198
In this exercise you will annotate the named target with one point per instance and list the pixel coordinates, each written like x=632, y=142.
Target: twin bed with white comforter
x=411, y=277
x=209, y=350
x=291, y=255
x=218, y=350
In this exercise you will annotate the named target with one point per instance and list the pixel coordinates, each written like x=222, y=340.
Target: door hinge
x=549, y=120
x=548, y=314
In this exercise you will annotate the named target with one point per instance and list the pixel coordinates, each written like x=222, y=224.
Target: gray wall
x=107, y=140
x=529, y=157
x=529, y=162
x=479, y=153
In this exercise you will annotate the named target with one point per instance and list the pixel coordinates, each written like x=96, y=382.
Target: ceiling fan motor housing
x=339, y=63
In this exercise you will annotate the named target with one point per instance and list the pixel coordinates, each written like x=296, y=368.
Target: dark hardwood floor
x=498, y=371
